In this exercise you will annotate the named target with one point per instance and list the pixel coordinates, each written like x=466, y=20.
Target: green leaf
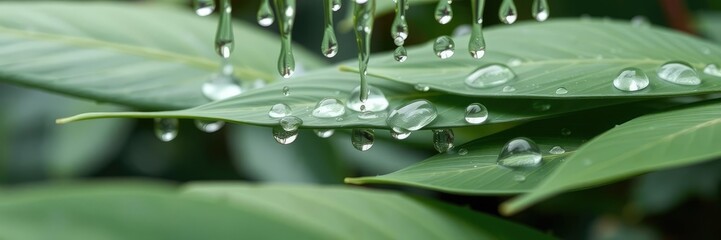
x=157, y=57
x=583, y=56
x=476, y=172
x=342, y=213
x=652, y=142
x=708, y=25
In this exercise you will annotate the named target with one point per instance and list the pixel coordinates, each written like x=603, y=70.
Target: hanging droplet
x=678, y=73
x=444, y=47
x=335, y=5
x=462, y=151
x=476, y=113
x=166, y=129
x=224, y=35
x=362, y=139
x=279, y=110
x=507, y=13
x=363, y=15
x=713, y=70
x=489, y=76
x=477, y=43
x=399, y=27
x=540, y=10
x=209, y=126
x=285, y=91
x=329, y=45
x=520, y=152
x=508, y=89
x=444, y=12
x=631, y=80
x=400, y=135
x=412, y=116
x=222, y=85
x=265, y=15
x=324, y=133
x=443, y=140
x=290, y=123
x=285, y=9
x=375, y=102
x=557, y=150
x=283, y=136
x=422, y=87
x=561, y=91
x=400, y=54
x=204, y=7
x=328, y=108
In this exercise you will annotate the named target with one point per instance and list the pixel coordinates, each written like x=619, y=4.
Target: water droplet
x=444, y=12
x=375, y=102
x=557, y=150
x=462, y=151
x=285, y=91
x=631, y=80
x=461, y=30
x=422, y=87
x=279, y=110
x=399, y=28
x=328, y=108
x=400, y=54
x=290, y=123
x=713, y=70
x=324, y=133
x=640, y=21
x=335, y=5
x=362, y=139
x=265, y=15
x=412, y=116
x=209, y=126
x=283, y=136
x=361, y=1
x=443, y=140
x=222, y=85
x=400, y=135
x=507, y=13
x=286, y=18
x=541, y=106
x=514, y=62
x=443, y=47
x=339, y=119
x=678, y=73
x=520, y=152
x=476, y=113
x=540, y=10
x=204, y=7
x=166, y=129
x=329, y=45
x=519, y=178
x=363, y=16
x=565, y=132
x=370, y=115
x=508, y=89
x=561, y=91
x=224, y=35
x=489, y=76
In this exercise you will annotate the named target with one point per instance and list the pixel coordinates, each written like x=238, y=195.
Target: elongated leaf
x=150, y=56
x=342, y=213
x=582, y=56
x=648, y=143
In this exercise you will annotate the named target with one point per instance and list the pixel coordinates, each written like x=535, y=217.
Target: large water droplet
x=324, y=133
x=412, y=116
x=444, y=12
x=265, y=15
x=204, y=7
x=557, y=150
x=279, y=110
x=166, y=129
x=375, y=102
x=283, y=136
x=678, y=73
x=443, y=47
x=363, y=15
x=443, y=139
x=362, y=139
x=507, y=13
x=399, y=28
x=328, y=108
x=329, y=45
x=489, y=76
x=209, y=126
x=290, y=123
x=400, y=135
x=520, y=152
x=561, y=91
x=224, y=35
x=400, y=54
x=713, y=70
x=540, y=10
x=286, y=18
x=476, y=113
x=222, y=85
x=631, y=80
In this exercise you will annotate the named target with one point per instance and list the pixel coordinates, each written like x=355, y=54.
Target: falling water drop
x=375, y=102
x=285, y=10
x=328, y=108
x=166, y=129
x=329, y=45
x=204, y=7
x=507, y=13
x=444, y=47
x=678, y=73
x=399, y=27
x=540, y=10
x=400, y=54
x=363, y=15
x=476, y=113
x=279, y=110
x=209, y=126
x=324, y=133
x=412, y=116
x=477, y=44
x=265, y=15
x=400, y=135
x=444, y=12
x=283, y=136
x=561, y=91
x=713, y=70
x=631, y=80
x=557, y=150
x=224, y=35
x=362, y=139
x=222, y=85
x=489, y=76
x=520, y=152
x=443, y=140
x=285, y=91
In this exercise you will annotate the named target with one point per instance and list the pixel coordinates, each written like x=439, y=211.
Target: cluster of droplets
x=680, y=73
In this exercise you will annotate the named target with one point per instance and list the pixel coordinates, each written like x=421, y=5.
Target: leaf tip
x=352, y=181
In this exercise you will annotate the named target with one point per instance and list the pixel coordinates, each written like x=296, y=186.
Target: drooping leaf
x=652, y=142
x=143, y=55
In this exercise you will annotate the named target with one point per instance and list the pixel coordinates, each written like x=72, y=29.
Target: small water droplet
x=561, y=91
x=565, y=132
x=335, y=5
x=444, y=12
x=412, y=116
x=489, y=76
x=204, y=7
x=507, y=13
x=678, y=73
x=362, y=139
x=540, y=10
x=265, y=15
x=361, y=1
x=461, y=30
x=224, y=35
x=541, y=106
x=290, y=123
x=557, y=150
x=640, y=21
x=520, y=152
x=283, y=136
x=713, y=70
x=444, y=47
x=328, y=108
x=209, y=126
x=519, y=178
x=462, y=151
x=324, y=133
x=508, y=89
x=476, y=113
x=422, y=87
x=514, y=62
x=400, y=135
x=443, y=140
x=166, y=129
x=279, y=110
x=285, y=91
x=631, y=80
x=400, y=54
x=376, y=101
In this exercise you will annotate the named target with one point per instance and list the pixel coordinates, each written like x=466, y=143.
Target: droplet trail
x=363, y=16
